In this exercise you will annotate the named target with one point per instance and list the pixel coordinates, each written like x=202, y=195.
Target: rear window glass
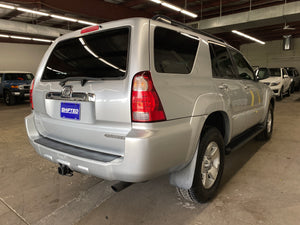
x=174, y=52
x=18, y=76
x=100, y=55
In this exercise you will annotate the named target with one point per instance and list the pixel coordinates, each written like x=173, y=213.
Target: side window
x=220, y=62
x=296, y=73
x=0, y=78
x=245, y=71
x=174, y=52
x=284, y=72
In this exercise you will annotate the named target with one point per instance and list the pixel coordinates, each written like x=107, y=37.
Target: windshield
x=100, y=55
x=262, y=73
x=19, y=76
x=275, y=72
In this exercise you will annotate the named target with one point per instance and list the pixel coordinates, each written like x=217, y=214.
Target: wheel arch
x=184, y=177
x=219, y=120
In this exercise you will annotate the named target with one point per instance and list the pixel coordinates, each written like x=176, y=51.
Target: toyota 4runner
x=137, y=98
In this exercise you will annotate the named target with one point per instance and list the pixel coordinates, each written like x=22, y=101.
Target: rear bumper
x=159, y=149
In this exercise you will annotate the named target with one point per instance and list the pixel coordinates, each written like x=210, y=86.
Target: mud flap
x=184, y=178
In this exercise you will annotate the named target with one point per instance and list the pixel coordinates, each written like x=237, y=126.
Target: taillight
x=145, y=103
x=30, y=94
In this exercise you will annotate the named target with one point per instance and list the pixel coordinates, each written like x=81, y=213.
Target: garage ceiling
x=98, y=11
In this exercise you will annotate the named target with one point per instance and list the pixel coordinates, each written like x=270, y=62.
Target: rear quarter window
x=174, y=52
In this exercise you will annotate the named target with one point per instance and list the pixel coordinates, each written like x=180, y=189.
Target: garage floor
x=261, y=184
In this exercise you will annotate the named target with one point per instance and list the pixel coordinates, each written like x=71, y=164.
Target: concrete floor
x=261, y=184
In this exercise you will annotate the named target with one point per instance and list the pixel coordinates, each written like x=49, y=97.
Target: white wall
x=272, y=55
x=21, y=57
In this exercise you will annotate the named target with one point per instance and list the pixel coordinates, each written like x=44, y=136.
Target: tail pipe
x=120, y=186
x=64, y=170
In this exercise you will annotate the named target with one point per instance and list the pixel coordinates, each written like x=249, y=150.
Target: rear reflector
x=145, y=103
x=30, y=94
x=89, y=29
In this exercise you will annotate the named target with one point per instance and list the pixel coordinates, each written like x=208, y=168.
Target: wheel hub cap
x=269, y=122
x=210, y=165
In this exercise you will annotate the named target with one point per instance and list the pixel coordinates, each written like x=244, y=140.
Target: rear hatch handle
x=83, y=80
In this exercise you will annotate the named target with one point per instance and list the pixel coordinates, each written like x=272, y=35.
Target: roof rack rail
x=166, y=19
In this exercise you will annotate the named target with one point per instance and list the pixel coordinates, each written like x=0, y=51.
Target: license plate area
x=70, y=110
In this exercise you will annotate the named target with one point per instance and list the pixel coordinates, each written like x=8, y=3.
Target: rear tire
x=268, y=130
x=209, y=168
x=289, y=92
x=9, y=99
x=293, y=87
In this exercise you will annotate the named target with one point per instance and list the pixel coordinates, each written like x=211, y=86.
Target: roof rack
x=166, y=19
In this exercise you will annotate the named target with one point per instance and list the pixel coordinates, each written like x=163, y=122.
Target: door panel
x=253, y=90
x=231, y=89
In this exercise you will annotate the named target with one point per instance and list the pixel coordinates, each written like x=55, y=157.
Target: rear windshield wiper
x=82, y=80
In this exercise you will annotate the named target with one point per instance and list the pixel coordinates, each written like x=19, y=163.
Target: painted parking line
x=14, y=211
x=74, y=210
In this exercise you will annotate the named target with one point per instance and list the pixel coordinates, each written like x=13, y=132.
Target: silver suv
x=134, y=99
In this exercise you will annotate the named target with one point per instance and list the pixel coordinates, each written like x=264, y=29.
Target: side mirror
x=285, y=76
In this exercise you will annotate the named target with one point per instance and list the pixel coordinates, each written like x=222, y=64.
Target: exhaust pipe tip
x=64, y=170
x=120, y=186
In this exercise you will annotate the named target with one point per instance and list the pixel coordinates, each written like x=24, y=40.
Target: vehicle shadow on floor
x=22, y=103
x=237, y=159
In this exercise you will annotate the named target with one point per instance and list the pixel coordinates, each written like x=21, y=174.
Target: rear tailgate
x=83, y=95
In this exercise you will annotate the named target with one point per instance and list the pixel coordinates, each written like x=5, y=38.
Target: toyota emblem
x=66, y=91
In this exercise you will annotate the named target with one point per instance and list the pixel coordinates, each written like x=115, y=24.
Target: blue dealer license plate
x=70, y=110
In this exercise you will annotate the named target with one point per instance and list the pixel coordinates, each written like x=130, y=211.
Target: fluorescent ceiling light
x=86, y=22
x=53, y=15
x=7, y=6
x=41, y=40
x=25, y=38
x=171, y=6
x=247, y=36
x=175, y=8
x=64, y=18
x=20, y=37
x=4, y=36
x=156, y=1
x=189, y=13
x=33, y=11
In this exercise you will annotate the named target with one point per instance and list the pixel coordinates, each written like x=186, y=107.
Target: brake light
x=30, y=94
x=89, y=29
x=145, y=103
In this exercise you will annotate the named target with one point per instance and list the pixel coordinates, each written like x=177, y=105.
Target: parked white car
x=277, y=79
